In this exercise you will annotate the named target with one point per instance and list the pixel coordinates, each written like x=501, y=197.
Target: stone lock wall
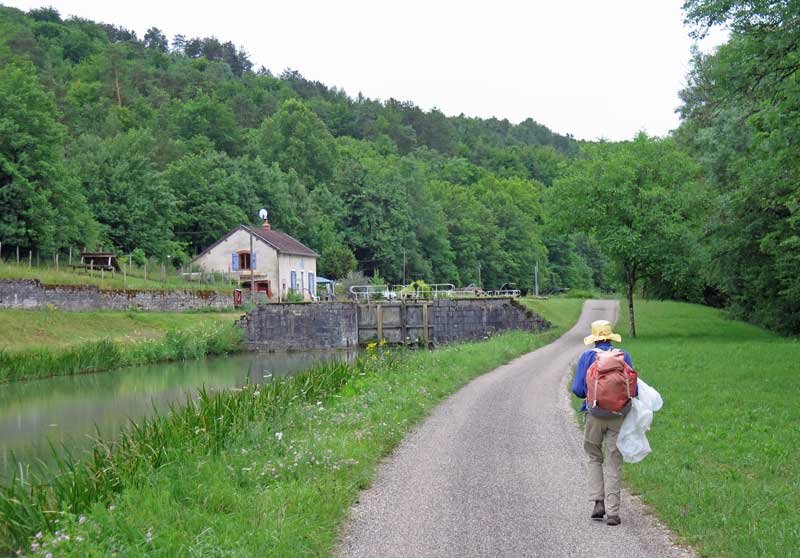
x=31, y=294
x=298, y=327
x=276, y=327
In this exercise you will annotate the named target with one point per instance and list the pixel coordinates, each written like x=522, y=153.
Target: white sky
x=595, y=69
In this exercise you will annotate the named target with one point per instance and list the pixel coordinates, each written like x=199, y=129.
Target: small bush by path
x=725, y=467
x=266, y=471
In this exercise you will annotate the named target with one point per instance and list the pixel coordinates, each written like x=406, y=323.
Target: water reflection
x=71, y=410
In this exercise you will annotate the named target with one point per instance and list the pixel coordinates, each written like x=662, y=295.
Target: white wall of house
x=302, y=266
x=219, y=259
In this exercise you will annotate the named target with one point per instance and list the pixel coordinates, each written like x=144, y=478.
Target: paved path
x=498, y=471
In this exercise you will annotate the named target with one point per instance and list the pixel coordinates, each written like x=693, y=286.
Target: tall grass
x=210, y=339
x=39, y=498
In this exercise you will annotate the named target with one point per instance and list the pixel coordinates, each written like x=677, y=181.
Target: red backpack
x=610, y=384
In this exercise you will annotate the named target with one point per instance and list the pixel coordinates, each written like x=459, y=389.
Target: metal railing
x=366, y=293
x=401, y=292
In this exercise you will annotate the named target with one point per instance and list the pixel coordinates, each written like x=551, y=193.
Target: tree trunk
x=630, y=279
x=116, y=84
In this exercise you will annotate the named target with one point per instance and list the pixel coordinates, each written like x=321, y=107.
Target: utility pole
x=480, y=284
x=404, y=266
x=252, y=289
x=536, y=279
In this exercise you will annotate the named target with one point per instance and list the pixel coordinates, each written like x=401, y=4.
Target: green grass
x=265, y=471
x=59, y=329
x=135, y=278
x=212, y=338
x=725, y=468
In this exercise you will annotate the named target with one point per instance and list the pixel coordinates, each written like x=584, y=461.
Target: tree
x=42, y=207
x=126, y=192
x=740, y=119
x=156, y=40
x=296, y=138
x=636, y=198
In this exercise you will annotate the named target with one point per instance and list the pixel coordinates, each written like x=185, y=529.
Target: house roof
x=281, y=241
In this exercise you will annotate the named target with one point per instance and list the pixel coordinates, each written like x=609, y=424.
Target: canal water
x=68, y=411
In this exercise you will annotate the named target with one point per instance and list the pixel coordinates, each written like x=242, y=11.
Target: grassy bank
x=42, y=343
x=266, y=471
x=725, y=467
x=133, y=279
x=29, y=329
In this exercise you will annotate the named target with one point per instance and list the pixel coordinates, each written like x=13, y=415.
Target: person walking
x=606, y=381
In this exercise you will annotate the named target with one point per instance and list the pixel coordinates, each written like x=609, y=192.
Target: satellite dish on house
x=262, y=213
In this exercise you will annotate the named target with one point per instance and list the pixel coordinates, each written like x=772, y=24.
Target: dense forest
x=114, y=141
x=108, y=140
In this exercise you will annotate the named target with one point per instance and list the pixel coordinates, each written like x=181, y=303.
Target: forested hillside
x=115, y=141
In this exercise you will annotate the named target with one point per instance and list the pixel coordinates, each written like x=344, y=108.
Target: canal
x=69, y=411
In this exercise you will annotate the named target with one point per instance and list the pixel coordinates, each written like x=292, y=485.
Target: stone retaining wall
x=276, y=327
x=300, y=326
x=31, y=294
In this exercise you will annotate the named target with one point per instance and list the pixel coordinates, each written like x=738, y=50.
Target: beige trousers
x=597, y=432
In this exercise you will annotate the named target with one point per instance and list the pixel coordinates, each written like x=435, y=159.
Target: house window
x=244, y=260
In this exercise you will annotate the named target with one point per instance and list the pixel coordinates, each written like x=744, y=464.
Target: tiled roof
x=282, y=242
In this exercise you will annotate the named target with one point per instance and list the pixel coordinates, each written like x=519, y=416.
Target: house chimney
x=266, y=226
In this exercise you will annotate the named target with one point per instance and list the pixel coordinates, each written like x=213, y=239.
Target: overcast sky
x=593, y=69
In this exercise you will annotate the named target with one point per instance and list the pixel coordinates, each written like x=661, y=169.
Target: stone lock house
x=278, y=264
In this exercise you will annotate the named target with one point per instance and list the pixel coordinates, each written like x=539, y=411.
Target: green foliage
x=740, y=119
x=138, y=257
x=135, y=143
x=638, y=199
x=41, y=205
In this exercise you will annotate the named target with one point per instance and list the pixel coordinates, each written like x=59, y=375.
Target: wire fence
x=71, y=266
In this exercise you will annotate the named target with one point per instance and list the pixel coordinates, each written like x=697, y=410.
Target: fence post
x=30, y=258
x=124, y=276
x=91, y=268
x=145, y=273
x=70, y=255
x=17, y=255
x=56, y=261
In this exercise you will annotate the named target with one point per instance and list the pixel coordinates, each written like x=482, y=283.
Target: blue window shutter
x=234, y=262
x=311, y=283
x=294, y=281
x=253, y=260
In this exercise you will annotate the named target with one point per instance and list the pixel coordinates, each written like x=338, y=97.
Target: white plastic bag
x=632, y=439
x=649, y=396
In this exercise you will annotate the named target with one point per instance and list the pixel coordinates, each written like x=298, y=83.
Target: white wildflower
x=279, y=436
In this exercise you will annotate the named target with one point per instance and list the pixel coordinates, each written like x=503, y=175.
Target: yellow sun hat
x=601, y=331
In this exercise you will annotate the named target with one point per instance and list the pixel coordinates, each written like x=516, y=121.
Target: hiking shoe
x=599, y=510
x=613, y=520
